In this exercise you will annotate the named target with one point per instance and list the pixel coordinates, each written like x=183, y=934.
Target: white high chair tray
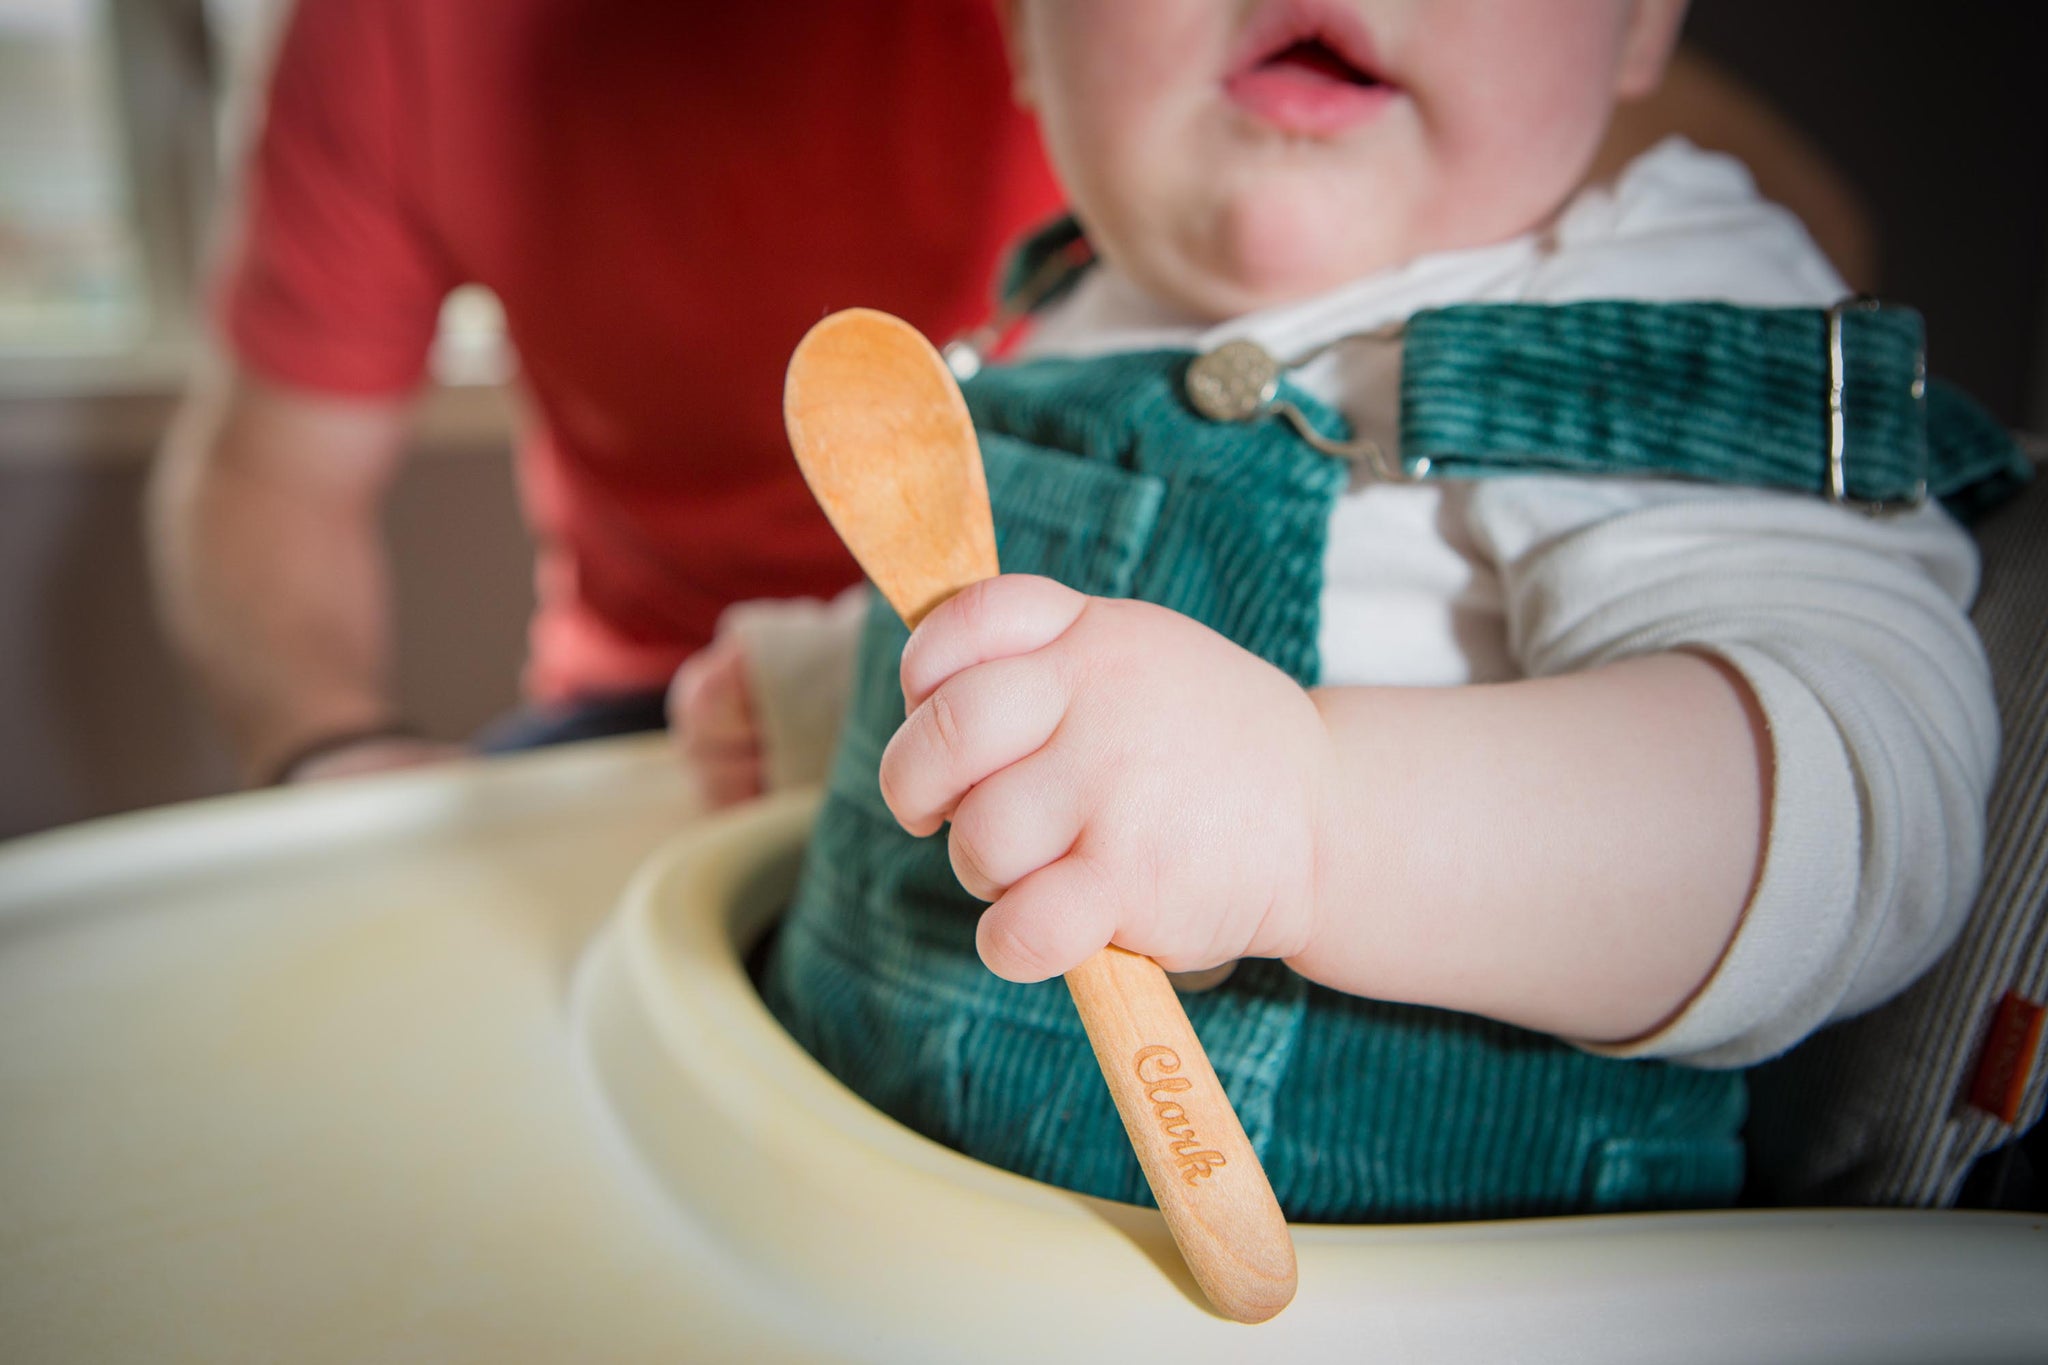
x=404, y=1069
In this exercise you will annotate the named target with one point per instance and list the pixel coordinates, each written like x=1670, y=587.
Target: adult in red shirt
x=664, y=196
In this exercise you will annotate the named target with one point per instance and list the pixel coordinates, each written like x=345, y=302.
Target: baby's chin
x=1266, y=251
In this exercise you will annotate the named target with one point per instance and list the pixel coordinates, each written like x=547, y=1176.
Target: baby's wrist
x=1319, y=844
x=1343, y=851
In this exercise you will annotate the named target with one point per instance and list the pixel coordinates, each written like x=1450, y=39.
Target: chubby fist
x=711, y=721
x=1113, y=772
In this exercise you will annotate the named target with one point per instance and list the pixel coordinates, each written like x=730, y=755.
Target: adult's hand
x=269, y=562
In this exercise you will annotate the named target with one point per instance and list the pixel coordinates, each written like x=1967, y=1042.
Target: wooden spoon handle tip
x=1210, y=1186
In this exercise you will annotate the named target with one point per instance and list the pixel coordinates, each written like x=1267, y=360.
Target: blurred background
x=121, y=122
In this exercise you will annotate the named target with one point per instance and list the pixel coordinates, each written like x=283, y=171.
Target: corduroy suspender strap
x=1834, y=402
x=1702, y=391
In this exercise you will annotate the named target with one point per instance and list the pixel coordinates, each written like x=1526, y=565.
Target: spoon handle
x=1201, y=1167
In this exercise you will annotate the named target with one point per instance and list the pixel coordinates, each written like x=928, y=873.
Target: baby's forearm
x=1571, y=854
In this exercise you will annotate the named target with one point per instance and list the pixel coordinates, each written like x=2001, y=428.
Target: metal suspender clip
x=966, y=354
x=1240, y=381
x=1838, y=426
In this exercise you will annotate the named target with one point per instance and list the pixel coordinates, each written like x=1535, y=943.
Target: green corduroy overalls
x=1102, y=477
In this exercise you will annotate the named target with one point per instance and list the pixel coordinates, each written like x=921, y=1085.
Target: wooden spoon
x=884, y=439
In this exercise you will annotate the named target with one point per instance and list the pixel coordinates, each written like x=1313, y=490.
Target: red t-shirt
x=665, y=196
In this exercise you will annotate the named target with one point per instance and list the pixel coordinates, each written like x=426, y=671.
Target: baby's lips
x=1307, y=69
x=1334, y=29
x=1305, y=103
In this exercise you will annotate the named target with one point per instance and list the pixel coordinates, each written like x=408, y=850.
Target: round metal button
x=1234, y=382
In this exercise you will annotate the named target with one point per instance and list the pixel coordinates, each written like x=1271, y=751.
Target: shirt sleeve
x=1852, y=631
x=331, y=280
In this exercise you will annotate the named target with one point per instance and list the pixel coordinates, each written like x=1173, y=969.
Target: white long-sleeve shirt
x=1850, y=630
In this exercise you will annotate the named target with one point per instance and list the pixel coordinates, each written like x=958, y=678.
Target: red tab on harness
x=2008, y=1057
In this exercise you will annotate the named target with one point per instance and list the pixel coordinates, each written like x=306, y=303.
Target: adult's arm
x=265, y=507
x=264, y=532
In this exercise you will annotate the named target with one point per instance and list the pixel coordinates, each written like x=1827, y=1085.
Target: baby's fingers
x=1049, y=923
x=997, y=618
x=726, y=779
x=1015, y=822
x=711, y=722
x=978, y=723
x=708, y=703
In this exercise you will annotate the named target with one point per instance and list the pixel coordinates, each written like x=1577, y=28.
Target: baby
x=1530, y=806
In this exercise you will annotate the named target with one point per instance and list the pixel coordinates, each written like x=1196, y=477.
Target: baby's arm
x=1751, y=713
x=1570, y=854
x=1852, y=634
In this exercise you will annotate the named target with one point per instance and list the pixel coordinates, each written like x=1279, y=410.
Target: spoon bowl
x=884, y=440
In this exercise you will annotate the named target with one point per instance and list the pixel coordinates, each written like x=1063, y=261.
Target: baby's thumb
x=1048, y=923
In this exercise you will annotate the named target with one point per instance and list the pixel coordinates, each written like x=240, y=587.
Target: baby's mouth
x=1312, y=85
x=1312, y=59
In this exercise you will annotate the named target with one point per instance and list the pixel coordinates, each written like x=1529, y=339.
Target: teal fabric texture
x=1361, y=1111
x=1704, y=391
x=1690, y=390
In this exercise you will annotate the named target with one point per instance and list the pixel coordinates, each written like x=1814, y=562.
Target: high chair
x=465, y=1065
x=1894, y=1106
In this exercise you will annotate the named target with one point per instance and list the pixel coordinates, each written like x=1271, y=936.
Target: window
x=119, y=120
x=71, y=268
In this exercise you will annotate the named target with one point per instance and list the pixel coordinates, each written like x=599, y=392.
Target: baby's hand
x=711, y=720
x=1113, y=771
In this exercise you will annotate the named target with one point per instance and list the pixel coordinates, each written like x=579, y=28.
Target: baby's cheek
x=1514, y=100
